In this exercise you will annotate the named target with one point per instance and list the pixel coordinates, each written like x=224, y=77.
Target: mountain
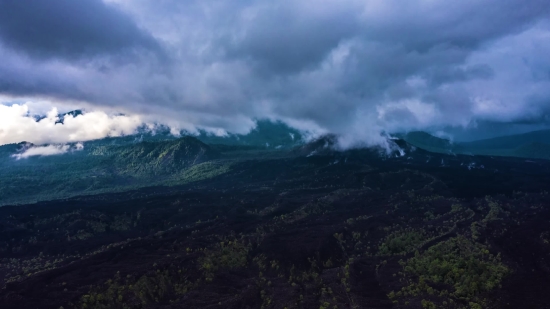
x=322, y=145
x=533, y=150
x=332, y=229
x=6, y=151
x=509, y=142
x=129, y=162
x=266, y=134
x=103, y=169
x=143, y=159
x=427, y=141
x=534, y=145
x=73, y=114
x=158, y=157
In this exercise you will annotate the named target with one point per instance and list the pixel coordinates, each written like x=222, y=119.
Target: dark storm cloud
x=69, y=29
x=281, y=39
x=355, y=68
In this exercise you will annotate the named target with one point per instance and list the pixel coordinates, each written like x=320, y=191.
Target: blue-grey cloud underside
x=69, y=30
x=354, y=68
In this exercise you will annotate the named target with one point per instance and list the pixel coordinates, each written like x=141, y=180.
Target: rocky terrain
x=314, y=228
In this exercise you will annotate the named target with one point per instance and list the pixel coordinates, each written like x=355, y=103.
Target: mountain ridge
x=534, y=145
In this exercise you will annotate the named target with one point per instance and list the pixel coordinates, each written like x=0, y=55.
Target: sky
x=358, y=69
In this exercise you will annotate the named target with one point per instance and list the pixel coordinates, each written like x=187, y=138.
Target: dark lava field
x=312, y=229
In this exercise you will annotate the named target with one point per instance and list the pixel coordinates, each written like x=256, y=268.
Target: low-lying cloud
x=348, y=67
x=17, y=125
x=48, y=150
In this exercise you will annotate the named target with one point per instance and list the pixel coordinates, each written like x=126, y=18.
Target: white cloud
x=49, y=150
x=17, y=125
x=353, y=68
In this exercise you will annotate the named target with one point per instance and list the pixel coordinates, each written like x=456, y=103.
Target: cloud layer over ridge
x=354, y=68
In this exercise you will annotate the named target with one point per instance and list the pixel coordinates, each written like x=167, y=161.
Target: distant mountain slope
x=158, y=156
x=266, y=134
x=8, y=150
x=126, y=162
x=428, y=142
x=104, y=169
x=321, y=145
x=510, y=141
x=534, y=145
x=533, y=150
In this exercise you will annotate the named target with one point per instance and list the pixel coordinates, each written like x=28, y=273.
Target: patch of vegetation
x=401, y=242
x=545, y=237
x=20, y=269
x=203, y=171
x=227, y=254
x=455, y=269
x=494, y=210
x=131, y=293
